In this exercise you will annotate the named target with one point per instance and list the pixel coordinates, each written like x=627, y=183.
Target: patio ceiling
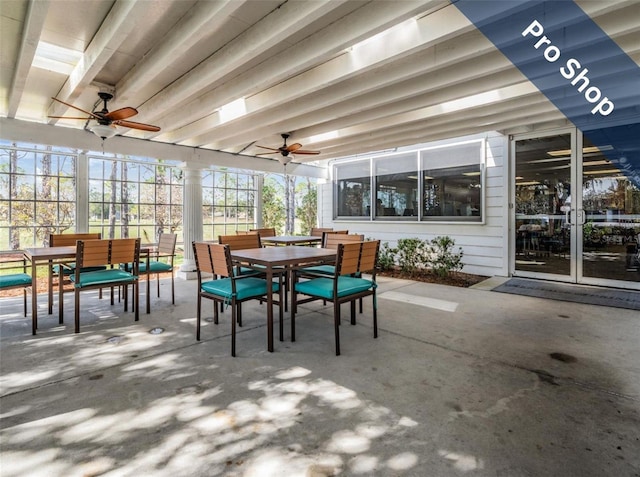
x=343, y=76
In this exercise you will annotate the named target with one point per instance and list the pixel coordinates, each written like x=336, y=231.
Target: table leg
x=270, y=309
x=148, y=284
x=34, y=298
x=50, y=287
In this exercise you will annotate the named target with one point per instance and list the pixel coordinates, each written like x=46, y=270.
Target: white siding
x=484, y=245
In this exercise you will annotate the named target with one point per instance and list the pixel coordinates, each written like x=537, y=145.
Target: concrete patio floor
x=459, y=382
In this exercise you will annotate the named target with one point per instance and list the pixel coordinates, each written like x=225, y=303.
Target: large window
x=353, y=189
x=228, y=202
x=396, y=186
x=452, y=182
x=443, y=183
x=37, y=194
x=134, y=198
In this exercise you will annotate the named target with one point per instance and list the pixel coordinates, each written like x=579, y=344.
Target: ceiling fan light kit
x=103, y=131
x=285, y=150
x=106, y=121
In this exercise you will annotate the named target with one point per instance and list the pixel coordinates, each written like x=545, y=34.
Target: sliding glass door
x=576, y=214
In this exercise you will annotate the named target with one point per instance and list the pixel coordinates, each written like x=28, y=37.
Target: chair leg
x=215, y=312
x=77, y=309
x=353, y=312
x=361, y=306
x=24, y=292
x=281, y=309
x=199, y=310
x=60, y=299
x=294, y=308
x=375, y=316
x=173, y=292
x=233, y=329
x=136, y=298
x=158, y=283
x=336, y=324
x=239, y=313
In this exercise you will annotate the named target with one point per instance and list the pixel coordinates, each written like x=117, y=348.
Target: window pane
x=397, y=186
x=353, y=189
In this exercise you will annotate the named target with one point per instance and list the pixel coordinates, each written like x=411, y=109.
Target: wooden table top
x=291, y=239
x=278, y=256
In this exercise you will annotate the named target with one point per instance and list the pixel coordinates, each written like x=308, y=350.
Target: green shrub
x=441, y=257
x=411, y=254
x=386, y=257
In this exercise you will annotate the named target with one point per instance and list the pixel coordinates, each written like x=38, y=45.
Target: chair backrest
x=167, y=244
x=268, y=232
x=107, y=252
x=357, y=257
x=241, y=242
x=317, y=231
x=246, y=232
x=66, y=240
x=331, y=232
x=212, y=258
x=369, y=256
x=331, y=240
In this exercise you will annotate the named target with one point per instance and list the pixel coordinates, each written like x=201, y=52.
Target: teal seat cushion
x=323, y=287
x=15, y=280
x=107, y=276
x=245, y=288
x=154, y=266
x=324, y=269
x=71, y=268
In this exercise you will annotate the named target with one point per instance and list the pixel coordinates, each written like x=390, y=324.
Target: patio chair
x=266, y=232
x=110, y=254
x=13, y=275
x=248, y=241
x=62, y=272
x=332, y=240
x=317, y=231
x=346, y=285
x=226, y=287
x=161, y=261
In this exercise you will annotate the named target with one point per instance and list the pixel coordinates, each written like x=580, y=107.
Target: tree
x=273, y=212
x=307, y=212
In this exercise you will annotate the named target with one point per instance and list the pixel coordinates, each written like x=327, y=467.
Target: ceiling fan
x=108, y=120
x=285, y=150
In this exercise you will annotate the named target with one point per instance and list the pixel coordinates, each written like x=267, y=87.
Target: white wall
x=485, y=246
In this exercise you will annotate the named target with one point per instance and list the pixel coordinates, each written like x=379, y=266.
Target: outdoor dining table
x=40, y=256
x=272, y=257
x=291, y=240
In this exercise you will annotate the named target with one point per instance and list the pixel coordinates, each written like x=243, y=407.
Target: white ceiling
x=428, y=75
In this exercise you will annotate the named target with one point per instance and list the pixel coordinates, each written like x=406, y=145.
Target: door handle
x=581, y=216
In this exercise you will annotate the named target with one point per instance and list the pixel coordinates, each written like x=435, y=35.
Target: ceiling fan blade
x=67, y=117
x=122, y=113
x=266, y=153
x=134, y=125
x=301, y=151
x=294, y=147
x=270, y=148
x=75, y=107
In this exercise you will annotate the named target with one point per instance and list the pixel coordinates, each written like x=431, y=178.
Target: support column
x=191, y=218
x=82, y=193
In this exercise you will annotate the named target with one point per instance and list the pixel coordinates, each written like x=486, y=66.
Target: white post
x=82, y=193
x=191, y=218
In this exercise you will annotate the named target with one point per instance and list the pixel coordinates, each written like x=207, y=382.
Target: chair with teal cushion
x=63, y=271
x=110, y=254
x=227, y=287
x=346, y=285
x=13, y=275
x=161, y=261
